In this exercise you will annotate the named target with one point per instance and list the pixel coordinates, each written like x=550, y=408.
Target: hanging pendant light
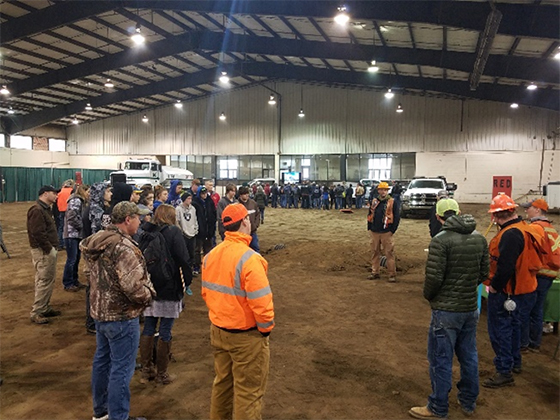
x=223, y=116
x=224, y=77
x=138, y=38
x=272, y=100
x=341, y=18
x=373, y=68
x=4, y=90
x=145, y=118
x=88, y=107
x=178, y=104
x=109, y=84
x=389, y=94
x=400, y=109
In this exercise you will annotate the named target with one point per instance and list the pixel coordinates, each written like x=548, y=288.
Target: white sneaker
x=105, y=417
x=548, y=328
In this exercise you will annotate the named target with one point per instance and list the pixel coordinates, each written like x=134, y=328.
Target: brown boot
x=146, y=355
x=162, y=361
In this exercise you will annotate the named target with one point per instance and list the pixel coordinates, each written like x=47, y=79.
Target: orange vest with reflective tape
x=235, y=286
x=552, y=259
x=527, y=265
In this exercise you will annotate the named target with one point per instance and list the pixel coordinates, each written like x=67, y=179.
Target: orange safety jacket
x=62, y=200
x=235, y=286
x=551, y=260
x=526, y=266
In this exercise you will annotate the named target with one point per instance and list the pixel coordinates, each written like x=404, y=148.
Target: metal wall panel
x=337, y=121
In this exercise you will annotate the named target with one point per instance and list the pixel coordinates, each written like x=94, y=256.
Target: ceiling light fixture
x=373, y=68
x=145, y=118
x=223, y=116
x=178, y=104
x=400, y=109
x=301, y=113
x=88, y=107
x=341, y=18
x=514, y=105
x=75, y=121
x=11, y=111
x=109, y=84
x=137, y=37
x=389, y=94
x=532, y=86
x=557, y=56
x=4, y=90
x=272, y=100
x=224, y=77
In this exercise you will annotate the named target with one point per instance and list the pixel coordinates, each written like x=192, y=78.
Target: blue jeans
x=261, y=209
x=60, y=228
x=165, y=325
x=113, y=367
x=325, y=204
x=504, y=329
x=531, y=327
x=338, y=203
x=452, y=332
x=254, y=245
x=274, y=201
x=359, y=201
x=70, y=275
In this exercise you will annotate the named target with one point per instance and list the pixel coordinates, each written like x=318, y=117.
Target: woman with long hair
x=168, y=303
x=73, y=234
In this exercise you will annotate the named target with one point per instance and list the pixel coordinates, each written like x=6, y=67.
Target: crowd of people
x=312, y=195
x=143, y=246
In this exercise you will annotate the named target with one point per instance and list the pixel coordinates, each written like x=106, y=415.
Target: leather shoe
x=73, y=289
x=39, y=319
x=51, y=312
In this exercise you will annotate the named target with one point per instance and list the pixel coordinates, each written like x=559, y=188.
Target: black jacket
x=206, y=215
x=176, y=245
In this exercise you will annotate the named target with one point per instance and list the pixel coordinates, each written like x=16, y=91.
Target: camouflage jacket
x=120, y=287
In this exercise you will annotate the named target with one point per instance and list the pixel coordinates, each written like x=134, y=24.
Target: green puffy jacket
x=457, y=263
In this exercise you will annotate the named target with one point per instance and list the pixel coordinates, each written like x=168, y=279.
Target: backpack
x=159, y=261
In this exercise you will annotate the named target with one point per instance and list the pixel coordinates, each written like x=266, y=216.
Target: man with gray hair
x=120, y=290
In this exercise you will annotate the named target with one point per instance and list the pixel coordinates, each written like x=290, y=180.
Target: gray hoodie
x=186, y=220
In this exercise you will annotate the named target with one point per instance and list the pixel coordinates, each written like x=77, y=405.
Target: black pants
x=202, y=245
x=191, y=245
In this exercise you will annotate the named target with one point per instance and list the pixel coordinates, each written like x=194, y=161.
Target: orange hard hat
x=383, y=186
x=502, y=202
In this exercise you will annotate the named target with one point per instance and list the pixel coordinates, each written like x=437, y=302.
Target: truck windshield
x=427, y=183
x=137, y=166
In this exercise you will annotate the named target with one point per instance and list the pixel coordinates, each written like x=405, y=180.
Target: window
x=57, y=145
x=306, y=162
x=21, y=142
x=380, y=167
x=228, y=168
x=305, y=172
x=2, y=140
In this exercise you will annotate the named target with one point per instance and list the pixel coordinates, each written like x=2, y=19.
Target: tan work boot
x=422, y=413
x=146, y=358
x=162, y=361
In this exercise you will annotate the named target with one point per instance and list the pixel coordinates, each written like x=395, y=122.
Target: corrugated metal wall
x=336, y=120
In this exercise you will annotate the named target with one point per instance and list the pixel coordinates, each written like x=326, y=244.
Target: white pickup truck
x=149, y=171
x=421, y=194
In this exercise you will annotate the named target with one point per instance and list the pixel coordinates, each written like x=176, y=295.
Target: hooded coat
x=457, y=263
x=206, y=215
x=174, y=199
x=97, y=207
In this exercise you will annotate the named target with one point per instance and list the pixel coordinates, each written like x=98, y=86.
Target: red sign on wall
x=501, y=184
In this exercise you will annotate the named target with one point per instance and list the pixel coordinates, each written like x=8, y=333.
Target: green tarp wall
x=22, y=184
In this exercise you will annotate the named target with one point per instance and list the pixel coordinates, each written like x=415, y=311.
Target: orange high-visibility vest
x=526, y=266
x=552, y=259
x=62, y=200
x=235, y=286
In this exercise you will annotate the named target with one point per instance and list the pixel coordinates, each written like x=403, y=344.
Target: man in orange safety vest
x=239, y=299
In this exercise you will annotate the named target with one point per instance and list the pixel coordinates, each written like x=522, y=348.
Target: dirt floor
x=343, y=348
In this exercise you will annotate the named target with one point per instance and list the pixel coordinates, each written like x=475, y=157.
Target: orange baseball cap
x=233, y=213
x=538, y=203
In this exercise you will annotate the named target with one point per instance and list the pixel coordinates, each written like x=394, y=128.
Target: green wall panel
x=22, y=184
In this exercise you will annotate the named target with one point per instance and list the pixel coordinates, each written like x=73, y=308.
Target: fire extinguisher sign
x=501, y=184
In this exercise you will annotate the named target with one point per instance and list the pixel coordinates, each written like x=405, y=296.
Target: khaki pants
x=241, y=363
x=45, y=275
x=385, y=240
